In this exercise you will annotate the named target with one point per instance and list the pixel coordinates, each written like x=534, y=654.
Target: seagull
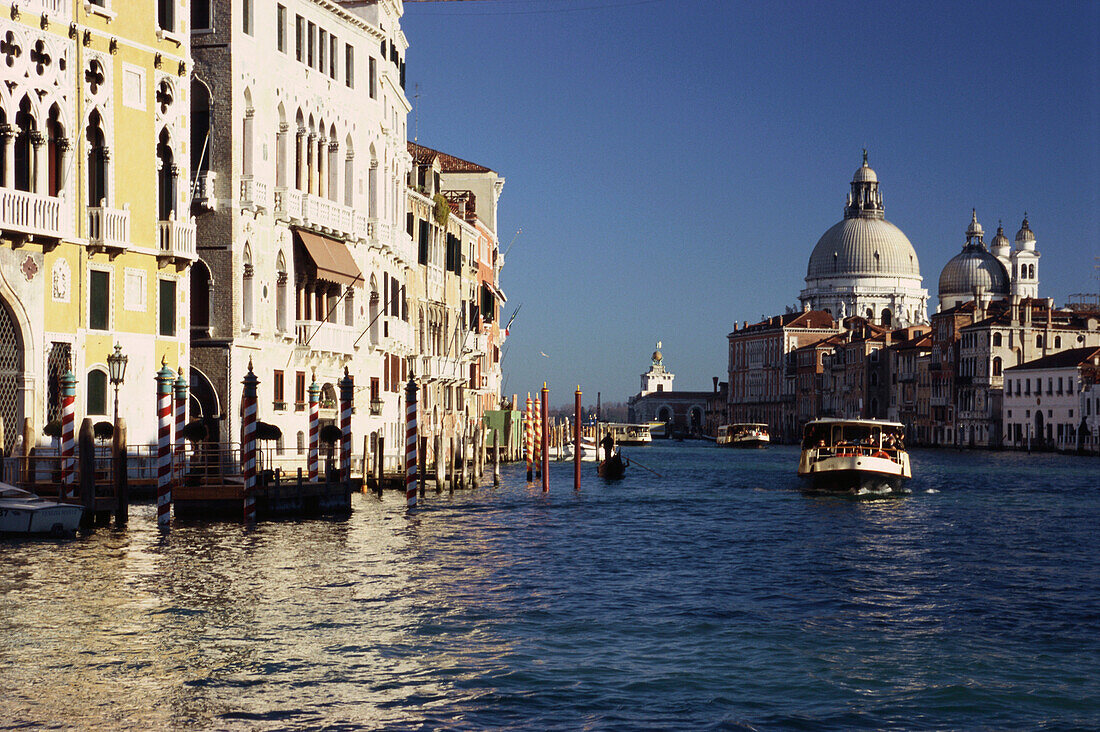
x=544, y=355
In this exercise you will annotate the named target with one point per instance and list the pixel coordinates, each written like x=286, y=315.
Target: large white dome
x=863, y=246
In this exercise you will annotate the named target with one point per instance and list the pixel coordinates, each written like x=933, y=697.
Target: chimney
x=715, y=384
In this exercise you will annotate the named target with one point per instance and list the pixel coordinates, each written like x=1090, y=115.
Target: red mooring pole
x=68, y=435
x=544, y=454
x=412, y=440
x=313, y=463
x=529, y=438
x=577, y=441
x=248, y=443
x=164, y=377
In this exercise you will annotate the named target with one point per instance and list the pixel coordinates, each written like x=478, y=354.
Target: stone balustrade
x=176, y=239
x=109, y=228
x=326, y=337
x=33, y=213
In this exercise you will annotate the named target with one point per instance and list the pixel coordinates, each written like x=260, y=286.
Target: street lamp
x=116, y=365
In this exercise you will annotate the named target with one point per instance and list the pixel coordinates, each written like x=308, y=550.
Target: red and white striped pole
x=314, y=429
x=68, y=435
x=347, y=398
x=544, y=454
x=165, y=377
x=181, y=419
x=529, y=438
x=412, y=439
x=248, y=443
x=536, y=447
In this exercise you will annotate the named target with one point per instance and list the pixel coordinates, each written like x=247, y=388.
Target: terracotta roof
x=1065, y=359
x=422, y=155
x=808, y=319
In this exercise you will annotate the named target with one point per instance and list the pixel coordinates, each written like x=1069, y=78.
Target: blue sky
x=672, y=163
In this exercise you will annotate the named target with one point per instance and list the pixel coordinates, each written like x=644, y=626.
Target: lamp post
x=116, y=366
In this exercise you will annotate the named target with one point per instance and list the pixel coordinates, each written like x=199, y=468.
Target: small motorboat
x=748, y=434
x=23, y=512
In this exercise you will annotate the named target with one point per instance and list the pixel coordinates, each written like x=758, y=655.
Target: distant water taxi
x=628, y=434
x=748, y=434
x=861, y=456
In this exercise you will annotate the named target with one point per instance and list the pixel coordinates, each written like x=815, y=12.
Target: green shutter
x=99, y=300
x=167, y=307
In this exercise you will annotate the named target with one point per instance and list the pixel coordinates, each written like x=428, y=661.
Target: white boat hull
x=22, y=512
x=858, y=473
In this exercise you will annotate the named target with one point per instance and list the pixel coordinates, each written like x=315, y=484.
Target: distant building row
x=995, y=366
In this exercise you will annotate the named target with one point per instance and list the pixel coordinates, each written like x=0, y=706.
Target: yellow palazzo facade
x=96, y=233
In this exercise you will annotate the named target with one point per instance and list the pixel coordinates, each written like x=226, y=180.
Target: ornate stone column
x=322, y=166
x=39, y=171
x=7, y=142
x=301, y=163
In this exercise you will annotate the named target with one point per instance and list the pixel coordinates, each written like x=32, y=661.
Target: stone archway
x=11, y=377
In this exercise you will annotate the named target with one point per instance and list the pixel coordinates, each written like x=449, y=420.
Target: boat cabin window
x=836, y=435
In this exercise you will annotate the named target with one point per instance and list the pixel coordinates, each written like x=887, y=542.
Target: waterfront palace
x=162, y=191
x=862, y=345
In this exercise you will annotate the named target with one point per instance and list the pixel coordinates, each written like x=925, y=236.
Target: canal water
x=717, y=596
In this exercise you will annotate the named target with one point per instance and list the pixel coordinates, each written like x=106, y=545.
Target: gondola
x=614, y=468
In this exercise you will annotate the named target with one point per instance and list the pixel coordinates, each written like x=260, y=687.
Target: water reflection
x=720, y=591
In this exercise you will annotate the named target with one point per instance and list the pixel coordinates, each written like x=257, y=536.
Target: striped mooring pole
x=314, y=429
x=537, y=421
x=181, y=418
x=347, y=397
x=165, y=378
x=412, y=439
x=528, y=438
x=544, y=454
x=248, y=443
x=68, y=434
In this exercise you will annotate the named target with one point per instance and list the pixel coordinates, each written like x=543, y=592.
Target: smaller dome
x=864, y=173
x=975, y=229
x=1000, y=240
x=1025, y=234
x=971, y=269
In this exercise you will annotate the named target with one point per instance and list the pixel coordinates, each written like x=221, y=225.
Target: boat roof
x=862, y=422
x=746, y=424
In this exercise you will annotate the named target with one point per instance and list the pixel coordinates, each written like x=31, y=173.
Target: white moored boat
x=749, y=434
x=23, y=512
x=855, y=455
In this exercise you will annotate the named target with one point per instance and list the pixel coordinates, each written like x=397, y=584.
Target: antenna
x=514, y=237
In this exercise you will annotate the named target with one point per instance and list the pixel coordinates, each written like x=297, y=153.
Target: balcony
x=176, y=240
x=326, y=337
x=202, y=190
x=288, y=204
x=109, y=229
x=441, y=368
x=32, y=214
x=254, y=194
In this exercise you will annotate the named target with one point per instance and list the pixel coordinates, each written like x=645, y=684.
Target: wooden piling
x=365, y=472
x=86, y=452
x=508, y=456
x=380, y=461
x=577, y=440
x=496, y=457
x=121, y=477
x=28, y=449
x=423, y=464
x=438, y=462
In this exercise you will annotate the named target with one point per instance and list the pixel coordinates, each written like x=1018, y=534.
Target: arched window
x=887, y=318
x=56, y=144
x=24, y=148
x=1031, y=271
x=97, y=392
x=372, y=186
x=166, y=177
x=301, y=442
x=996, y=340
x=870, y=314
x=246, y=289
x=280, y=293
x=300, y=139
x=200, y=123
x=349, y=306
x=97, y=160
x=1038, y=341
x=349, y=173
x=333, y=186
x=1057, y=341
x=997, y=366
x=374, y=300
x=200, y=298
